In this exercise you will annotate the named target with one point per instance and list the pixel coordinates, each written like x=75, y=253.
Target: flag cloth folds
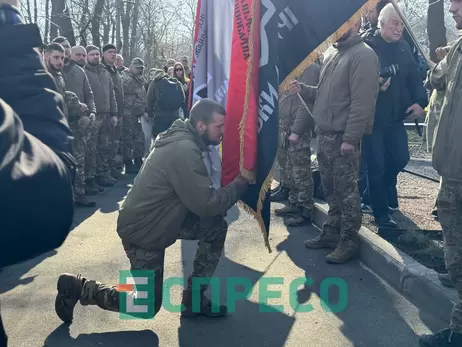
x=292, y=34
x=212, y=51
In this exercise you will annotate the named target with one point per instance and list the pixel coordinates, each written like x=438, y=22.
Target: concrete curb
x=417, y=283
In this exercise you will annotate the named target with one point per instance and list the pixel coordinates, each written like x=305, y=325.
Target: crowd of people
x=62, y=134
x=114, y=111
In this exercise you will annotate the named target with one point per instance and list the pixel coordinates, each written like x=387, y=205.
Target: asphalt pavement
x=364, y=312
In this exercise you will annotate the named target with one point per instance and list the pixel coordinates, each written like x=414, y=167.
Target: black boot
x=443, y=338
x=281, y=195
x=138, y=163
x=204, y=308
x=130, y=168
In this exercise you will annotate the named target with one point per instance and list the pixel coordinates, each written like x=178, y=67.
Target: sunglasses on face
x=178, y=70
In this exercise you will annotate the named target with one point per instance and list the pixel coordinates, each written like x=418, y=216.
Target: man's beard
x=80, y=63
x=207, y=141
x=94, y=63
x=51, y=68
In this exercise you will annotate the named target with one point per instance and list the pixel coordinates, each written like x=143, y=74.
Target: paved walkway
x=375, y=315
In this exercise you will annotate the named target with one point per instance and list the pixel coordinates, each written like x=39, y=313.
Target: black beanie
x=90, y=48
x=108, y=46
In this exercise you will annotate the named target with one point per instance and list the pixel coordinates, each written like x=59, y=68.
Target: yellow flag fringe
x=298, y=71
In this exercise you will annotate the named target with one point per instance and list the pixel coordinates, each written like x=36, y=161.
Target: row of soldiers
x=104, y=104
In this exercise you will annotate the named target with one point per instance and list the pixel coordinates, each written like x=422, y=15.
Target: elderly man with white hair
x=402, y=95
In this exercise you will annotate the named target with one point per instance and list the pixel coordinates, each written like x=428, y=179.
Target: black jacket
x=406, y=86
x=36, y=162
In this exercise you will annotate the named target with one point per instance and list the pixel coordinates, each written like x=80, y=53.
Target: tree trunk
x=61, y=21
x=126, y=31
x=29, y=13
x=35, y=12
x=435, y=27
x=96, y=23
x=47, y=21
x=134, y=40
x=84, y=23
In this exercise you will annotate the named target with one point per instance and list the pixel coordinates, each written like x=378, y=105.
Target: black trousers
x=385, y=154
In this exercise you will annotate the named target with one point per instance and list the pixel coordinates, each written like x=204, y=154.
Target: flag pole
x=411, y=33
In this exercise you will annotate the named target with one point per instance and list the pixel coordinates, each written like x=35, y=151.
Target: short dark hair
x=60, y=39
x=203, y=111
x=54, y=47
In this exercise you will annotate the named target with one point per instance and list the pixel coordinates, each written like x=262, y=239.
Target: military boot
x=81, y=200
x=289, y=210
x=130, y=168
x=281, y=195
x=69, y=293
x=302, y=218
x=327, y=239
x=105, y=181
x=138, y=163
x=204, y=308
x=446, y=280
x=347, y=249
x=443, y=338
x=91, y=188
x=116, y=174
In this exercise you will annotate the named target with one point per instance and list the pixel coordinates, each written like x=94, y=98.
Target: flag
x=292, y=34
x=212, y=51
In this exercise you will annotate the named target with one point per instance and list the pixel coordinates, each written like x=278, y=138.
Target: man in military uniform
x=343, y=111
x=447, y=155
x=135, y=107
x=296, y=128
x=54, y=59
x=109, y=59
x=173, y=197
x=77, y=82
x=106, y=118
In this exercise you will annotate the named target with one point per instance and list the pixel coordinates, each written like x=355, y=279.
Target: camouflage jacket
x=71, y=100
x=447, y=148
x=135, y=102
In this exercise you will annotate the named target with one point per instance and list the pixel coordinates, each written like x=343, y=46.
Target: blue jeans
x=385, y=153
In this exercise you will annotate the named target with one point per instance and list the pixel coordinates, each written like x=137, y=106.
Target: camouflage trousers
x=211, y=234
x=449, y=204
x=299, y=178
x=98, y=150
x=282, y=155
x=339, y=178
x=115, y=137
x=132, y=138
x=80, y=129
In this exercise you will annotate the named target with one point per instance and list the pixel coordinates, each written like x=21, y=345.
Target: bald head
x=119, y=62
x=79, y=55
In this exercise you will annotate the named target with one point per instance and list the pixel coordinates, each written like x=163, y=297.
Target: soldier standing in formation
x=106, y=119
x=109, y=59
x=135, y=107
x=294, y=154
x=77, y=82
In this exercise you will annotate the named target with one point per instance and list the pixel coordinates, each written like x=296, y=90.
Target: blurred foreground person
x=344, y=105
x=173, y=197
x=36, y=164
x=447, y=161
